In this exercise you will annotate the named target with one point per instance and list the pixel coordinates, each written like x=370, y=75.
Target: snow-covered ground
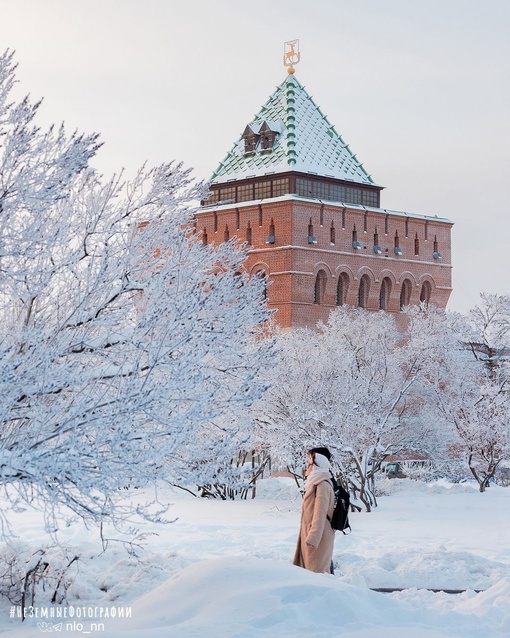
x=223, y=570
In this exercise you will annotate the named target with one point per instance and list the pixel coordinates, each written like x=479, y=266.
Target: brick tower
x=292, y=189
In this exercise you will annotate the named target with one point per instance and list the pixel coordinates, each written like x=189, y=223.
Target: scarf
x=317, y=476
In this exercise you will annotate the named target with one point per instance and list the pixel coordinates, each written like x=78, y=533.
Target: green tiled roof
x=305, y=142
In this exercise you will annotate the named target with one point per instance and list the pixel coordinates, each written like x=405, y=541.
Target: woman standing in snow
x=314, y=549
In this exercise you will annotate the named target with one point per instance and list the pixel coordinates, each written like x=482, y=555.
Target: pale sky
x=419, y=89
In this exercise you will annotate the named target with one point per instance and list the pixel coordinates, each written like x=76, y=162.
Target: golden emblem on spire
x=291, y=55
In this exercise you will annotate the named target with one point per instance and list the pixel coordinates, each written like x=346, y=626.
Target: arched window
x=262, y=275
x=384, y=294
x=342, y=288
x=320, y=287
x=405, y=294
x=363, y=290
x=426, y=291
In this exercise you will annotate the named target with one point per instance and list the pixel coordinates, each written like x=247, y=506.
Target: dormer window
x=260, y=138
x=251, y=139
x=267, y=137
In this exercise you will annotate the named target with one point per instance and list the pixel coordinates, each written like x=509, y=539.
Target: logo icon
x=49, y=626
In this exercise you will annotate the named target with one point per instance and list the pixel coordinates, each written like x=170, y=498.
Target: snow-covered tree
x=489, y=332
x=473, y=392
x=346, y=386
x=128, y=349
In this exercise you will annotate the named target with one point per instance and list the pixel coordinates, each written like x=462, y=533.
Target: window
x=335, y=192
x=426, y=291
x=245, y=193
x=342, y=288
x=405, y=294
x=204, y=237
x=363, y=290
x=355, y=243
x=312, y=239
x=214, y=196
x=370, y=198
x=280, y=187
x=248, y=235
x=332, y=233
x=226, y=234
x=267, y=142
x=271, y=237
x=262, y=276
x=262, y=190
x=416, y=245
x=397, y=250
x=320, y=287
x=353, y=195
x=238, y=278
x=215, y=222
x=228, y=194
x=384, y=294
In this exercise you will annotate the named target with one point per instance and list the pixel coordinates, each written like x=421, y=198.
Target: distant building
x=293, y=190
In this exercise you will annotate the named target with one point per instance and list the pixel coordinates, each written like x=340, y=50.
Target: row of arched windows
x=385, y=291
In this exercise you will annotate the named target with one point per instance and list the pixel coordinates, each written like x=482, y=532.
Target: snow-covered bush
x=29, y=576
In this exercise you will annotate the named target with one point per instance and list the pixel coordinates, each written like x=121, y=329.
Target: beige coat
x=314, y=549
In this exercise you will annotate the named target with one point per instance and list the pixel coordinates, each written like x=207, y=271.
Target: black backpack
x=340, y=519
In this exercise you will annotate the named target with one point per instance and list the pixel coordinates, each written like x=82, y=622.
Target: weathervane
x=291, y=55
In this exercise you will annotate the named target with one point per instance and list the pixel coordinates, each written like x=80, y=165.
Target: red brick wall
x=292, y=263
